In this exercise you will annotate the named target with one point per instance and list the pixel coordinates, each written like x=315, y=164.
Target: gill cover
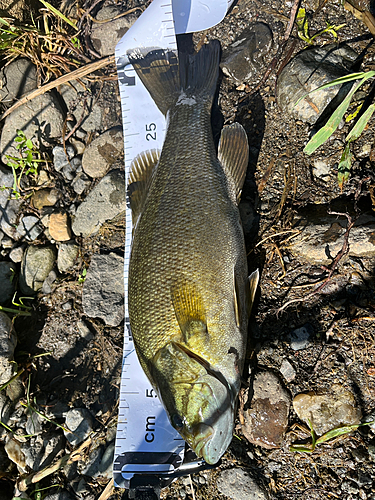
x=199, y=403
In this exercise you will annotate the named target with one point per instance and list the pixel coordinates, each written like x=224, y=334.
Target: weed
x=303, y=28
x=82, y=277
x=333, y=433
x=22, y=310
x=26, y=164
x=333, y=122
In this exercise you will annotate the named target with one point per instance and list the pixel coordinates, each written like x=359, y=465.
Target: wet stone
x=103, y=290
x=308, y=70
x=104, y=202
x=30, y=228
x=8, y=341
x=328, y=411
x=36, y=265
x=243, y=61
x=18, y=78
x=102, y=153
x=266, y=420
x=300, y=337
x=7, y=282
x=239, y=485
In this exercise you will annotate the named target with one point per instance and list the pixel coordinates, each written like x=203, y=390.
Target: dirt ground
x=86, y=373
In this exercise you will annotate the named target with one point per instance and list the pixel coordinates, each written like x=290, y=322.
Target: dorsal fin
x=233, y=154
x=190, y=312
x=140, y=177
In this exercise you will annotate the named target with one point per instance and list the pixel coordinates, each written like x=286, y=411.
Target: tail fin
x=166, y=78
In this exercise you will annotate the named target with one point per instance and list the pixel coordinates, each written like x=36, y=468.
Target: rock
x=34, y=423
x=59, y=227
x=15, y=453
x=84, y=330
x=308, y=70
x=300, y=337
x=18, y=78
x=42, y=450
x=7, y=283
x=36, y=265
x=100, y=155
x=321, y=238
x=8, y=342
x=48, y=282
x=266, y=420
x=59, y=495
x=80, y=422
x=60, y=159
x=106, y=464
x=105, y=36
x=328, y=411
x=40, y=118
x=81, y=183
x=287, y=371
x=239, y=485
x=82, y=104
x=9, y=208
x=321, y=168
x=90, y=465
x=103, y=203
x=71, y=168
x=103, y=290
x=242, y=61
x=30, y=228
x=45, y=198
x=67, y=256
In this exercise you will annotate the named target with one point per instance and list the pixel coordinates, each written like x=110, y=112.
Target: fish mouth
x=205, y=433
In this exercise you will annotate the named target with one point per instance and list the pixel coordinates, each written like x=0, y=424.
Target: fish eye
x=177, y=422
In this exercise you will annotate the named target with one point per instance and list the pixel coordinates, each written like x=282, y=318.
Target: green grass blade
x=344, y=166
x=59, y=14
x=325, y=132
x=358, y=128
x=339, y=431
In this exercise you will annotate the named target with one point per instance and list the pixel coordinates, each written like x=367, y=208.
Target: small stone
x=105, y=36
x=43, y=178
x=266, y=421
x=30, y=228
x=40, y=118
x=7, y=282
x=106, y=464
x=15, y=453
x=81, y=183
x=16, y=254
x=34, y=424
x=48, y=282
x=80, y=422
x=71, y=168
x=45, y=198
x=90, y=466
x=67, y=306
x=371, y=451
x=59, y=227
x=300, y=337
x=36, y=265
x=102, y=153
x=243, y=61
x=287, y=371
x=308, y=70
x=103, y=290
x=328, y=411
x=321, y=168
x=18, y=78
x=67, y=256
x=59, y=156
x=104, y=202
x=79, y=146
x=239, y=485
x=9, y=208
x=8, y=342
x=84, y=330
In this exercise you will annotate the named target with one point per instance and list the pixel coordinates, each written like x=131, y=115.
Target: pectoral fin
x=233, y=155
x=140, y=177
x=190, y=312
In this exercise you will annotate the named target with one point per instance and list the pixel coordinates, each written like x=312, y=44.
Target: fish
x=189, y=294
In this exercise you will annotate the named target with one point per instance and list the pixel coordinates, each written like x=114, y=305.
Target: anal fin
x=233, y=155
x=140, y=177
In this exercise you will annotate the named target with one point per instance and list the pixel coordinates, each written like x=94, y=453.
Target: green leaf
x=358, y=128
x=59, y=14
x=344, y=166
x=29, y=144
x=334, y=121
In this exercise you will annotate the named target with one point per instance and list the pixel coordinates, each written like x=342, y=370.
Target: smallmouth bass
x=189, y=294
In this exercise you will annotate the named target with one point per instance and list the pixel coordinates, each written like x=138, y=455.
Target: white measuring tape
x=146, y=443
